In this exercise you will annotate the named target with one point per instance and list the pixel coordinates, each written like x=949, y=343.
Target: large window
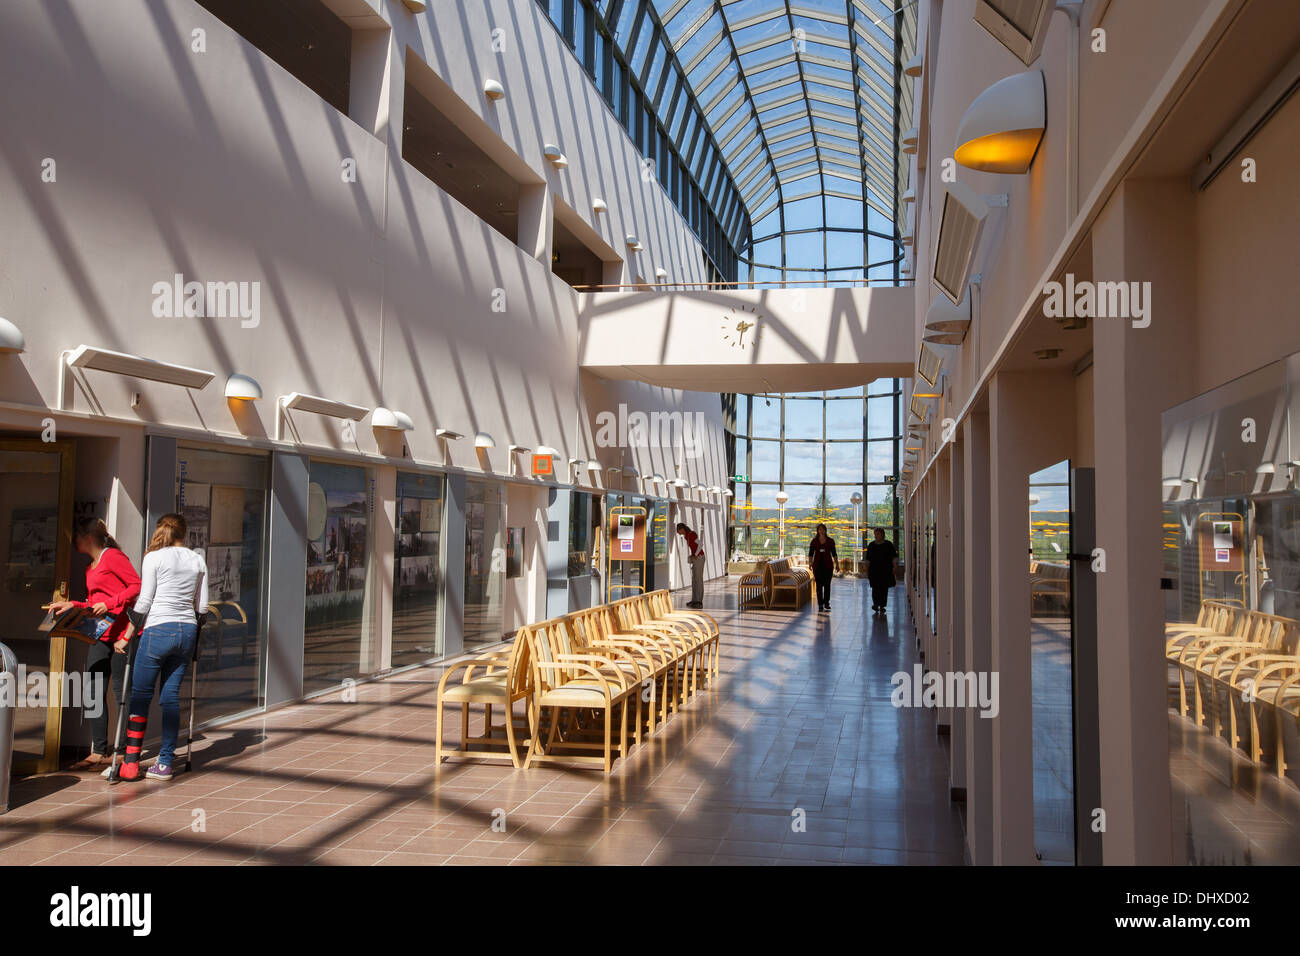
x=339, y=637
x=821, y=448
x=223, y=498
x=417, y=569
x=485, y=563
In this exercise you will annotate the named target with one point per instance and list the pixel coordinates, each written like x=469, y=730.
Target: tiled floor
x=796, y=756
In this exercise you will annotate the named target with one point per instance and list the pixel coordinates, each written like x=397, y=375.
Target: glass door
x=485, y=563
x=1052, y=662
x=36, y=487
x=417, y=574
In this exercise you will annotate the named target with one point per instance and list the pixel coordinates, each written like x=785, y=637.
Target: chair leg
x=534, y=718
x=438, y=730
x=622, y=730
x=510, y=735
x=639, y=713
x=609, y=763
x=464, y=726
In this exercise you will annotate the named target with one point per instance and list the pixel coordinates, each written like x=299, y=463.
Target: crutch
x=124, y=703
x=194, y=681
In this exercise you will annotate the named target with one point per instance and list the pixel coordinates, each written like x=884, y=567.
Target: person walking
x=173, y=598
x=694, y=558
x=882, y=559
x=111, y=586
x=823, y=560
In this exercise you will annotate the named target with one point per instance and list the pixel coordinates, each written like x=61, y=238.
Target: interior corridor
x=801, y=720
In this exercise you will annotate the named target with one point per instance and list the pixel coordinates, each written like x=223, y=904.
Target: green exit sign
x=740, y=479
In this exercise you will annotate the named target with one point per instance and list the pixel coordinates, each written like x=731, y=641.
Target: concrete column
x=957, y=571
x=942, y=659
x=1146, y=233
x=537, y=221
x=1011, y=433
x=978, y=649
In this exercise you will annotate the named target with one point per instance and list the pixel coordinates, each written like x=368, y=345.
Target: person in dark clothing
x=881, y=559
x=823, y=561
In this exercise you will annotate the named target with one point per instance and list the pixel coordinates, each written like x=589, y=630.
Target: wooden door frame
x=67, y=452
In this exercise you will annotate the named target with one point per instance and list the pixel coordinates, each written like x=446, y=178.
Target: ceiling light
x=11, y=338
x=1001, y=130
x=493, y=90
x=243, y=388
x=391, y=419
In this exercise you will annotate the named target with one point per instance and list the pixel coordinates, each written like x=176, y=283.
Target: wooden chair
x=631, y=617
x=493, y=680
x=592, y=633
x=661, y=607
x=753, y=589
x=1248, y=677
x=571, y=684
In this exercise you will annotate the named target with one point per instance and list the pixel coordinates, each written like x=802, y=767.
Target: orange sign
x=543, y=465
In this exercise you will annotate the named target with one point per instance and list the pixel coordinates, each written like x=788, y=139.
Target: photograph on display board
x=224, y=565
x=418, y=572
x=33, y=542
x=226, y=523
x=320, y=579
x=408, y=520
x=514, y=552
x=195, y=497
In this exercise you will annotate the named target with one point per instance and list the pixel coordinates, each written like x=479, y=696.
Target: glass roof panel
x=798, y=97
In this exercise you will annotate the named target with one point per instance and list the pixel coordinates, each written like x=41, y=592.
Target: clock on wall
x=740, y=327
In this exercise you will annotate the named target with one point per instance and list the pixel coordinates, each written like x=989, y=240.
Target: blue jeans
x=164, y=653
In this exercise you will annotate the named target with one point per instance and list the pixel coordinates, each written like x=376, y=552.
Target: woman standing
x=173, y=597
x=882, y=557
x=823, y=560
x=111, y=586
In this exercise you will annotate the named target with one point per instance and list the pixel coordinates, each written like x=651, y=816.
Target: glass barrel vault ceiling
x=786, y=116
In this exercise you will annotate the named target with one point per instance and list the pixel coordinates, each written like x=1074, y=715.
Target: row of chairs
x=1240, y=665
x=633, y=662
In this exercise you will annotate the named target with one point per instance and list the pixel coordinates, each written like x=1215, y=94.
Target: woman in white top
x=173, y=597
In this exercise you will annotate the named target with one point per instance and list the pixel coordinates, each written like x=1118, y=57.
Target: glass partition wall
x=1231, y=532
x=821, y=448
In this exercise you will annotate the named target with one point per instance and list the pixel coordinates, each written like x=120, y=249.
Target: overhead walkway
x=749, y=340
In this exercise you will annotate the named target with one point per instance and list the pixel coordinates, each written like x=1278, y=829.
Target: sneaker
x=695, y=604
x=160, y=771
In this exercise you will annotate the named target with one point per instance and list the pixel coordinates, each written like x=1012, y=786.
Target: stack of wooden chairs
x=593, y=683
x=1238, y=675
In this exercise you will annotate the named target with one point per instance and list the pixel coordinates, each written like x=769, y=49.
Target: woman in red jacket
x=112, y=584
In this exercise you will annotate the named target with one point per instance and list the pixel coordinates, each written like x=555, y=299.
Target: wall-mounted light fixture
x=598, y=206
x=243, y=388
x=554, y=156
x=1000, y=131
x=446, y=434
x=910, y=139
x=493, y=90
x=11, y=338
x=484, y=440
x=391, y=419
x=915, y=66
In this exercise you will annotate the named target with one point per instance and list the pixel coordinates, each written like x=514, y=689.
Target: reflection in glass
x=417, y=569
x=338, y=642
x=485, y=564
